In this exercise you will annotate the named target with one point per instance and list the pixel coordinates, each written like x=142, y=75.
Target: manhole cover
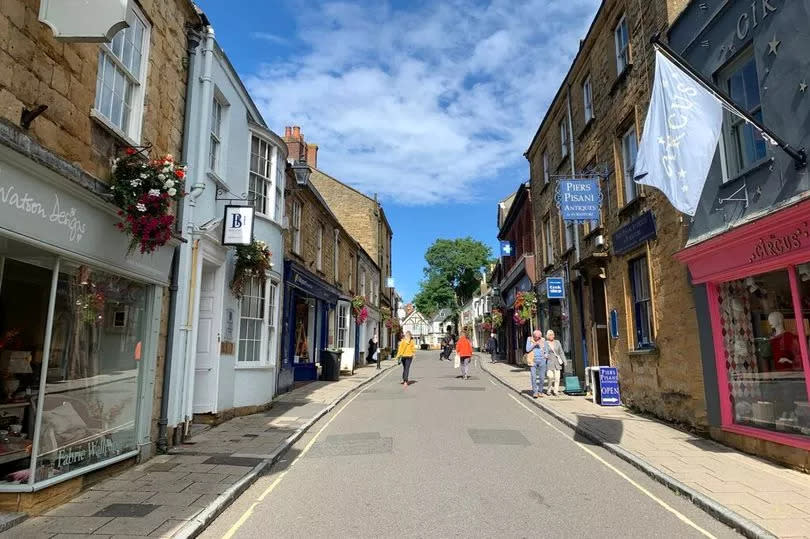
x=497, y=437
x=232, y=461
x=137, y=510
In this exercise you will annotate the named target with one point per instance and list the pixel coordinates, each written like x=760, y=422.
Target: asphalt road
x=446, y=457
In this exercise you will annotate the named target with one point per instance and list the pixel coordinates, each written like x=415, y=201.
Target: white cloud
x=427, y=105
x=267, y=36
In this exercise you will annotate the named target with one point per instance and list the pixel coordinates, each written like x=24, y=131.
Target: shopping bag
x=456, y=361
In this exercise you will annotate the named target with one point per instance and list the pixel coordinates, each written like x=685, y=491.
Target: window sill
x=632, y=206
x=644, y=352
x=586, y=128
x=759, y=165
x=108, y=126
x=620, y=78
x=791, y=440
x=216, y=178
x=261, y=367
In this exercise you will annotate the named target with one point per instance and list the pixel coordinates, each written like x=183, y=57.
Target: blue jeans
x=538, y=375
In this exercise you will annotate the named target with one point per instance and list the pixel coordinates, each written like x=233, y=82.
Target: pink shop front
x=757, y=285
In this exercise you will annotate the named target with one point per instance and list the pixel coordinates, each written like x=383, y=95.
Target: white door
x=207, y=356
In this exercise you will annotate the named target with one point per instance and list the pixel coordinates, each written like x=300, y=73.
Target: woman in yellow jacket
x=405, y=354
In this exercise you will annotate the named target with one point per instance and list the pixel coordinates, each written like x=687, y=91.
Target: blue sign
x=507, y=249
x=579, y=200
x=609, y=386
x=555, y=288
x=614, y=324
x=634, y=233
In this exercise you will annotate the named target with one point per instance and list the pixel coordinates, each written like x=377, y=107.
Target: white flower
x=154, y=192
x=113, y=168
x=169, y=184
x=144, y=175
x=140, y=207
x=135, y=183
x=167, y=168
x=161, y=177
x=172, y=192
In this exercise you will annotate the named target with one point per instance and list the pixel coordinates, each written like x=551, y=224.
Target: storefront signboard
x=609, y=386
x=634, y=233
x=35, y=209
x=555, y=288
x=86, y=21
x=579, y=199
x=237, y=225
x=310, y=284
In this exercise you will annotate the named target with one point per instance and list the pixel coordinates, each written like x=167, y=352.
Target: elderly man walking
x=535, y=345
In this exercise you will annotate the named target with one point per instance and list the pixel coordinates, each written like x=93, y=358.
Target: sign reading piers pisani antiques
x=579, y=199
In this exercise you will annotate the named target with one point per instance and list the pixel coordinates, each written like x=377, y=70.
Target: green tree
x=454, y=264
x=435, y=293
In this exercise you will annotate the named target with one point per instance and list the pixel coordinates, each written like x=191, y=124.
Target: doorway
x=206, y=362
x=599, y=323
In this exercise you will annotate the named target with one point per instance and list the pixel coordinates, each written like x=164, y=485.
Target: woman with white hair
x=556, y=360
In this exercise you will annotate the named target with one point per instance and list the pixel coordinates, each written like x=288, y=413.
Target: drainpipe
x=193, y=40
x=573, y=164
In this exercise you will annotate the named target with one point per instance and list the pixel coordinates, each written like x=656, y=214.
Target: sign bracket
x=223, y=191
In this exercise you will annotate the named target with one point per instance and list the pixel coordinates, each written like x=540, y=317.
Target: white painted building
x=418, y=325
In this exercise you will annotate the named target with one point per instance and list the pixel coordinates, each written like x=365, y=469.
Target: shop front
x=79, y=323
x=757, y=286
x=515, y=333
x=309, y=302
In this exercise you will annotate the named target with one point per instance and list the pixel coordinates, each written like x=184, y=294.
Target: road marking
x=246, y=515
x=683, y=518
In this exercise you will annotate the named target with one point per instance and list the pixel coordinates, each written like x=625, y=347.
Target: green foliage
x=435, y=294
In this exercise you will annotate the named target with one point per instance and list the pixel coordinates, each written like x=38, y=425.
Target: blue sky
x=429, y=104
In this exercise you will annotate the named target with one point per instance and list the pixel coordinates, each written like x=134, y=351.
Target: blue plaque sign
x=506, y=248
x=634, y=233
x=609, y=386
x=555, y=288
x=579, y=200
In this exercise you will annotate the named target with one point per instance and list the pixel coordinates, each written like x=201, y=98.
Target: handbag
x=528, y=357
x=456, y=361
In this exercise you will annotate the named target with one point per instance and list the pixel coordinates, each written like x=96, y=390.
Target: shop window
x=742, y=144
x=763, y=362
x=642, y=302
x=251, y=322
x=91, y=391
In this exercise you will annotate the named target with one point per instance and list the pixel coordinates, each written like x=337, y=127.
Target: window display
x=763, y=358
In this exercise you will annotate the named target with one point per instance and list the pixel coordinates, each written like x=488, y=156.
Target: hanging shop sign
x=634, y=233
x=389, y=282
x=237, y=225
x=506, y=248
x=89, y=21
x=609, y=386
x=555, y=288
x=579, y=200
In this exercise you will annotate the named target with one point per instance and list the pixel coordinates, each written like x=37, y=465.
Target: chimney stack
x=287, y=132
x=296, y=132
x=312, y=155
x=297, y=149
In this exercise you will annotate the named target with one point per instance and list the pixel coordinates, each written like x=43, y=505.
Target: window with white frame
x=363, y=283
x=216, y=135
x=319, y=249
x=549, y=248
x=251, y=322
x=121, y=77
x=351, y=272
x=642, y=302
x=629, y=151
x=569, y=234
x=564, y=137
x=622, y=40
x=337, y=255
x=343, y=325
x=272, y=316
x=546, y=172
x=587, y=98
x=742, y=144
x=280, y=164
x=296, y=226
x=260, y=183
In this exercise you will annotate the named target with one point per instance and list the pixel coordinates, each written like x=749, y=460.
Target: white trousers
x=553, y=380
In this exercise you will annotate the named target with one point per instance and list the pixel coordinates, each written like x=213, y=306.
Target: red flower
x=180, y=173
x=130, y=151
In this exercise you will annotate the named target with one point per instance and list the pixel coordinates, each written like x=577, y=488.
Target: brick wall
x=667, y=381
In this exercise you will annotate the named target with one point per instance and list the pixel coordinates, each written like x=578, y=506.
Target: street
x=446, y=457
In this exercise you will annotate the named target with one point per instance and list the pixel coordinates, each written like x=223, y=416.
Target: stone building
x=362, y=216
x=321, y=276
x=76, y=308
x=748, y=252
x=619, y=271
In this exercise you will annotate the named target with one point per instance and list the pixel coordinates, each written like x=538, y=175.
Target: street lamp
x=302, y=172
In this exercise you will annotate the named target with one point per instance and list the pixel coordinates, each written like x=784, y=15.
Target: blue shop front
x=308, y=300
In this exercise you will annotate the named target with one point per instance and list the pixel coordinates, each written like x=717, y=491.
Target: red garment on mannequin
x=785, y=345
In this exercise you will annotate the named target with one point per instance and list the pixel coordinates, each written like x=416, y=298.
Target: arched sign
x=93, y=21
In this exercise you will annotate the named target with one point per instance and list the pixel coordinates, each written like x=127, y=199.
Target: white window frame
x=629, y=164
x=279, y=166
x=261, y=186
x=295, y=223
x=272, y=316
x=342, y=325
x=546, y=172
x=547, y=238
x=621, y=37
x=215, y=139
x=587, y=99
x=319, y=248
x=569, y=234
x=641, y=299
x=352, y=286
x=337, y=255
x=564, y=137
x=252, y=321
x=363, y=283
x=131, y=129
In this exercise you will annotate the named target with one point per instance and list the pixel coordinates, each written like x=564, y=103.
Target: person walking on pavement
x=372, y=348
x=535, y=345
x=464, y=351
x=492, y=347
x=556, y=360
x=405, y=354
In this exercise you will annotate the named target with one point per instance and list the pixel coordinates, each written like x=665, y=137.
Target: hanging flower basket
x=359, y=309
x=144, y=190
x=525, y=307
x=497, y=318
x=253, y=260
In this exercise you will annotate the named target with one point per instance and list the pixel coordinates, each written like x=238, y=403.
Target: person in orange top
x=464, y=351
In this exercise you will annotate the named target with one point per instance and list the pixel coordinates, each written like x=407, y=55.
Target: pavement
x=446, y=457
x=178, y=494
x=758, y=498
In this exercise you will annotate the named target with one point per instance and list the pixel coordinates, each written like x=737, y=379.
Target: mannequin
x=784, y=344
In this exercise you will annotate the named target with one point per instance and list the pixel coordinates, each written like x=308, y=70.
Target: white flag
x=680, y=136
